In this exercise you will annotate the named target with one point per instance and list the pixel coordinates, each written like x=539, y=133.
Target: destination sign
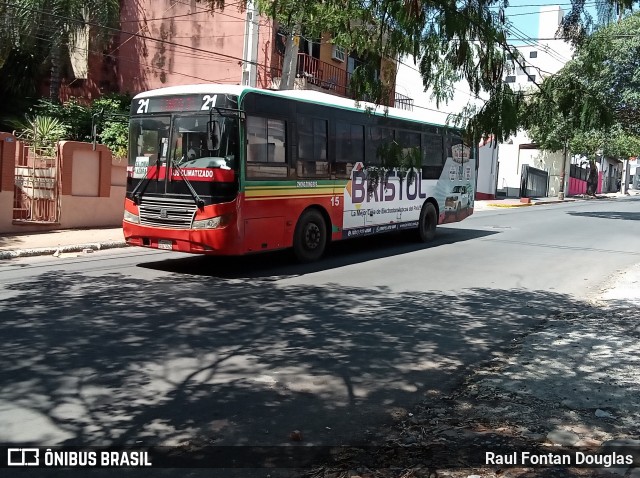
x=178, y=103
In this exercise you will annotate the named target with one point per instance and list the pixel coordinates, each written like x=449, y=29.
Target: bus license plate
x=164, y=244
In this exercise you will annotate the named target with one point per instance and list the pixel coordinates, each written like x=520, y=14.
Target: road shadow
x=618, y=215
x=339, y=254
x=102, y=360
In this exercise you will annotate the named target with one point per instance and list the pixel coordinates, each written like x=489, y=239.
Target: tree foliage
x=44, y=29
x=578, y=23
x=73, y=120
x=451, y=41
x=592, y=105
x=594, y=101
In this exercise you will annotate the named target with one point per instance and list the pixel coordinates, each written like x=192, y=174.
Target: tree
x=54, y=25
x=451, y=41
x=578, y=24
x=593, y=103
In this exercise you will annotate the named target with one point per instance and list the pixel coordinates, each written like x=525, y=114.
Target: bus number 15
x=335, y=200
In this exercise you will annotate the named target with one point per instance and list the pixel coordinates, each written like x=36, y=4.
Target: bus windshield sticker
x=141, y=167
x=165, y=147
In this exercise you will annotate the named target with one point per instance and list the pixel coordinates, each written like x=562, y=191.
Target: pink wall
x=578, y=186
x=192, y=38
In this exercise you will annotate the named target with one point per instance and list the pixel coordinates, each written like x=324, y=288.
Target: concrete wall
x=487, y=170
x=92, y=187
x=509, y=169
x=513, y=155
x=547, y=161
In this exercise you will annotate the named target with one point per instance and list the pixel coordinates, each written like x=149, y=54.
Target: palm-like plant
x=42, y=133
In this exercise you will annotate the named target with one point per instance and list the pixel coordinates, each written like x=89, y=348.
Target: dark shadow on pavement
x=339, y=254
x=626, y=216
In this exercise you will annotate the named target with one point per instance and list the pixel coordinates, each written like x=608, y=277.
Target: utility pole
x=563, y=170
x=250, y=51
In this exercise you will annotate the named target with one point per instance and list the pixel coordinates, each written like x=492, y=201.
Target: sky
x=523, y=14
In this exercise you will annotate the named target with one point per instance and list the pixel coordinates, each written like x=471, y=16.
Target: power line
x=553, y=53
x=205, y=10
x=145, y=37
x=456, y=89
x=136, y=61
x=188, y=53
x=592, y=3
x=139, y=30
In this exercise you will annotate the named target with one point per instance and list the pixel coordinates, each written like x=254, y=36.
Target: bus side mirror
x=213, y=136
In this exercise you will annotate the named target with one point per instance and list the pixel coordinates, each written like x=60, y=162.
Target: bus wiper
x=137, y=196
x=199, y=201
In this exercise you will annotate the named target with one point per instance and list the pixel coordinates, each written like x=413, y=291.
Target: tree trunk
x=592, y=178
x=290, y=61
x=56, y=59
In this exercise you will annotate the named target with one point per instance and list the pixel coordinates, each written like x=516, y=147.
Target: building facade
x=168, y=43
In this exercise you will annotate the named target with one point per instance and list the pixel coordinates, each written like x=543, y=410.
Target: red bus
x=232, y=170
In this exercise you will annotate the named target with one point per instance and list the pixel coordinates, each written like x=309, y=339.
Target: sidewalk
x=58, y=242
x=493, y=204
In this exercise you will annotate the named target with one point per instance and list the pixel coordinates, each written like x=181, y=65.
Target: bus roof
x=312, y=96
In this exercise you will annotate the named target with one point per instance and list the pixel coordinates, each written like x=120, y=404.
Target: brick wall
x=7, y=161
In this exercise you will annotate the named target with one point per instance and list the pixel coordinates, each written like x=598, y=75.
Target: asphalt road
x=134, y=346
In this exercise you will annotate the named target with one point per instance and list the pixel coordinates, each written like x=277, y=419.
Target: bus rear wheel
x=428, y=222
x=310, y=237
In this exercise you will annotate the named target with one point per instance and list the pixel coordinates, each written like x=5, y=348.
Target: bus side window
x=410, y=144
x=312, y=147
x=377, y=137
x=432, y=156
x=349, y=148
x=266, y=148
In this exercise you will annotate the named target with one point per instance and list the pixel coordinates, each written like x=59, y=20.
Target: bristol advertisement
x=388, y=202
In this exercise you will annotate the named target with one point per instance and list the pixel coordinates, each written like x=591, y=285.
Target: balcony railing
x=318, y=73
x=325, y=76
x=403, y=102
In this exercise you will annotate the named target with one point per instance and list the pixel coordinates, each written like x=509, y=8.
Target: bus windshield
x=192, y=145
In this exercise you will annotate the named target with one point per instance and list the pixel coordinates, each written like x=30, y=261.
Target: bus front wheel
x=310, y=237
x=428, y=223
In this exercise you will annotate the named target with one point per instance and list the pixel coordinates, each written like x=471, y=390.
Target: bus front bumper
x=221, y=241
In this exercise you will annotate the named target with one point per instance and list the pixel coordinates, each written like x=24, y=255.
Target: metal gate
x=36, y=196
x=533, y=182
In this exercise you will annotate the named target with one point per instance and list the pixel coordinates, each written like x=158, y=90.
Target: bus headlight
x=211, y=223
x=130, y=217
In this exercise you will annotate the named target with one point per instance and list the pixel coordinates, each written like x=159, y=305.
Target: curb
x=538, y=203
x=43, y=251
x=511, y=205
